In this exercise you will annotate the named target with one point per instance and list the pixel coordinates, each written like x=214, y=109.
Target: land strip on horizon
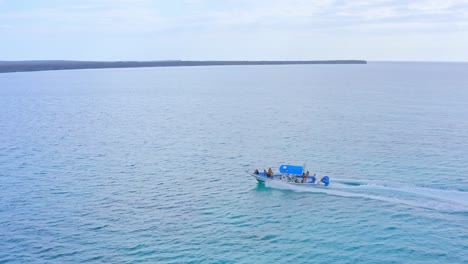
x=54, y=65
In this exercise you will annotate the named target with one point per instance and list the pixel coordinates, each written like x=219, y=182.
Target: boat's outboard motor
x=325, y=180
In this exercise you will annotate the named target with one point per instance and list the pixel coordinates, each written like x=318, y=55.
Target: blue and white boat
x=291, y=174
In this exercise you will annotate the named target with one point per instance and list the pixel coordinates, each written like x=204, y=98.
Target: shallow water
x=130, y=165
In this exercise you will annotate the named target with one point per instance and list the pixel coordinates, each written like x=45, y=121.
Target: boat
x=291, y=174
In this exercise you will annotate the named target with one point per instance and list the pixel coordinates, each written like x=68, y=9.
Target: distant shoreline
x=56, y=65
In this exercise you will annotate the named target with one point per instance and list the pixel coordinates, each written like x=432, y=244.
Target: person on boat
x=313, y=178
x=256, y=172
x=270, y=173
x=305, y=176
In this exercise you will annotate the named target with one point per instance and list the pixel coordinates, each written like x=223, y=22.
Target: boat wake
x=391, y=192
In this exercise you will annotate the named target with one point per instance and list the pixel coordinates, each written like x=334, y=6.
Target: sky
x=377, y=30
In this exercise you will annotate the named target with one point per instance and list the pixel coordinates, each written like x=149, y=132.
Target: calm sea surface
x=148, y=165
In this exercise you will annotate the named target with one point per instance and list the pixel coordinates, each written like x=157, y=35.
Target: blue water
x=148, y=165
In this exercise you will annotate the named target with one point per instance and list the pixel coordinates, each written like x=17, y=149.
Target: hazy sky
x=434, y=30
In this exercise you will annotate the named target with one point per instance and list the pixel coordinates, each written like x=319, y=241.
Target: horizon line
x=54, y=65
x=221, y=60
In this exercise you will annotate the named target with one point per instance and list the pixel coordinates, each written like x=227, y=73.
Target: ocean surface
x=148, y=165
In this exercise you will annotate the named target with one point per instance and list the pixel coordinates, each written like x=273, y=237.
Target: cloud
x=5, y=27
x=316, y=15
x=145, y=16
x=436, y=6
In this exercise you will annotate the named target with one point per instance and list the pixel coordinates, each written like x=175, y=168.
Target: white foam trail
x=392, y=192
x=453, y=196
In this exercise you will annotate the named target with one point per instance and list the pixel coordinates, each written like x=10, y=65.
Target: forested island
x=52, y=65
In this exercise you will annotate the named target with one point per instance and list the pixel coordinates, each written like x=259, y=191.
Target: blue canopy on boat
x=291, y=169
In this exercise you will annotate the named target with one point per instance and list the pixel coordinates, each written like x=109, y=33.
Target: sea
x=149, y=165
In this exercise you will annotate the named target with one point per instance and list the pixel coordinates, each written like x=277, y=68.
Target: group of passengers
x=306, y=175
x=268, y=173
x=295, y=179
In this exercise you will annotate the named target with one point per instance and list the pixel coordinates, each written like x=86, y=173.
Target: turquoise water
x=148, y=165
